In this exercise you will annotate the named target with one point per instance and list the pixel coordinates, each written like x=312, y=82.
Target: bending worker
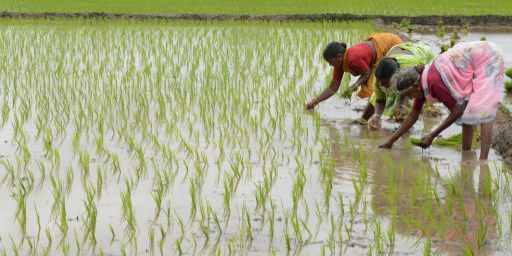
x=468, y=80
x=359, y=60
x=387, y=97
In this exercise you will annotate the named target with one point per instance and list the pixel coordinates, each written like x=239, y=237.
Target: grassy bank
x=391, y=7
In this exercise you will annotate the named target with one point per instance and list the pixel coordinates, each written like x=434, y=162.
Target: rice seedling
x=128, y=214
x=508, y=86
x=452, y=141
x=163, y=235
x=143, y=111
x=91, y=217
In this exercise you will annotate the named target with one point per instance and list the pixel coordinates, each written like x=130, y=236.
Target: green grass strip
x=384, y=7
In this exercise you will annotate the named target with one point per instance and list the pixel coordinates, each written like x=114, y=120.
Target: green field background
x=386, y=7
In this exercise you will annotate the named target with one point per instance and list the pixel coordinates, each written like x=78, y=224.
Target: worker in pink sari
x=468, y=80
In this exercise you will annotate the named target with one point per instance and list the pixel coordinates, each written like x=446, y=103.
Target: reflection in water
x=473, y=220
x=450, y=214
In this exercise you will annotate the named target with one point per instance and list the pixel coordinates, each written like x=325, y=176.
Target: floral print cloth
x=473, y=72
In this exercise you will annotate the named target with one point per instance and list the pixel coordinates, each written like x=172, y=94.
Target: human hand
x=386, y=145
x=374, y=123
x=353, y=87
x=400, y=113
x=311, y=105
x=426, y=141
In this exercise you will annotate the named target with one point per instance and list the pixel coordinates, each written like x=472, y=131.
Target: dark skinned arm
x=374, y=122
x=455, y=113
x=334, y=86
x=380, y=105
x=401, y=108
x=363, y=78
x=411, y=119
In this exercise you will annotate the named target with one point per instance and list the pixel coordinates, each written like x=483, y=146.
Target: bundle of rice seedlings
x=347, y=93
x=509, y=73
x=431, y=111
x=508, y=86
x=415, y=141
x=452, y=141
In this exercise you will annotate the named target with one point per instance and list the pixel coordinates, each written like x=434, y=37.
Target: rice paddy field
x=385, y=7
x=126, y=137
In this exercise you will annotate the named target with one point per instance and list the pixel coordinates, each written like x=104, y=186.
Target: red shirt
x=359, y=58
x=437, y=89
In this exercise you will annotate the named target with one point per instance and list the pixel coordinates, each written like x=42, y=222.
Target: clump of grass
x=509, y=73
x=508, y=86
x=444, y=48
x=347, y=93
x=452, y=141
x=455, y=35
x=404, y=24
x=363, y=121
x=465, y=28
x=432, y=111
x=441, y=29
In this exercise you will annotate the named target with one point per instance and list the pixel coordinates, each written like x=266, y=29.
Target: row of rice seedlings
x=151, y=100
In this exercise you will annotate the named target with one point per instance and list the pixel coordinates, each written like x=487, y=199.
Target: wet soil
x=428, y=20
x=502, y=134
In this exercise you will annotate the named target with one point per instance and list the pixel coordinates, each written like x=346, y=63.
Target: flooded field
x=156, y=137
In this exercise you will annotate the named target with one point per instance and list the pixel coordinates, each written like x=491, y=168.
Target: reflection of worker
x=473, y=214
x=402, y=55
x=462, y=221
x=468, y=80
x=358, y=60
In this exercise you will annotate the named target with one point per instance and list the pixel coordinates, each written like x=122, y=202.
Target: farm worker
x=387, y=97
x=468, y=80
x=358, y=60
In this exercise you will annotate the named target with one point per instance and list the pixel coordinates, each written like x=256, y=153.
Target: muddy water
x=445, y=163
x=391, y=198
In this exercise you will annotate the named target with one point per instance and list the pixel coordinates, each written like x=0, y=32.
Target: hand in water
x=386, y=145
x=353, y=88
x=311, y=105
x=374, y=123
x=426, y=141
x=400, y=113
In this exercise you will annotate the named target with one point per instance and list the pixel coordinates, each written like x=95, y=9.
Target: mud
x=427, y=20
x=502, y=134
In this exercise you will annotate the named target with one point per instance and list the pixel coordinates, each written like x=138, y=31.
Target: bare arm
x=334, y=86
x=401, y=108
x=363, y=78
x=455, y=113
x=380, y=105
x=374, y=122
x=411, y=119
